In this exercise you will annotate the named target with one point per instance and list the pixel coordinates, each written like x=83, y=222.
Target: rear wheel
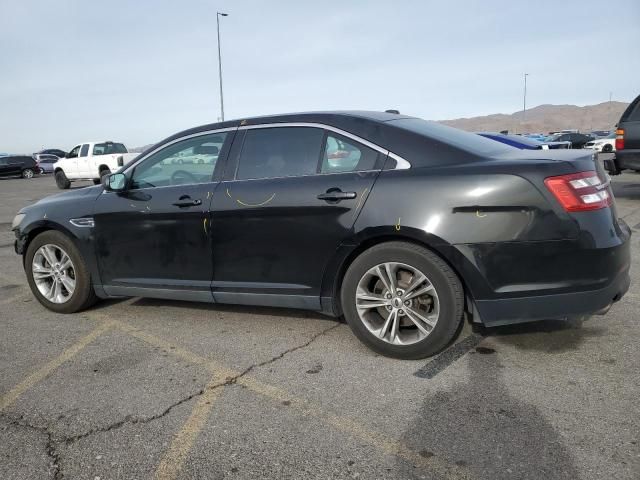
x=61, y=180
x=57, y=274
x=402, y=300
x=27, y=173
x=103, y=172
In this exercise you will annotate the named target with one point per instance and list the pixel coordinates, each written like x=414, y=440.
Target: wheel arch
x=332, y=282
x=45, y=226
x=103, y=167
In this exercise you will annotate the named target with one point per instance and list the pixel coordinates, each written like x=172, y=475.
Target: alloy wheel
x=397, y=303
x=54, y=273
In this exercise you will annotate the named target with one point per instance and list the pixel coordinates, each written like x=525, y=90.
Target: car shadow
x=549, y=336
x=480, y=428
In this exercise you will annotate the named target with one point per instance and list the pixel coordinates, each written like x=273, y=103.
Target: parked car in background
x=52, y=151
x=601, y=133
x=90, y=161
x=522, y=142
x=628, y=138
x=23, y=166
x=605, y=145
x=403, y=226
x=578, y=140
x=46, y=162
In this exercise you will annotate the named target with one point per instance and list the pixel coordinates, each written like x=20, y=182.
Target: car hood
x=86, y=194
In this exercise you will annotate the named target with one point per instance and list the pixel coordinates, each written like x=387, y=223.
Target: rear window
x=457, y=138
x=108, y=148
x=632, y=113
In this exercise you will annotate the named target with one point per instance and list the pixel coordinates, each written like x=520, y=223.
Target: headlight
x=16, y=221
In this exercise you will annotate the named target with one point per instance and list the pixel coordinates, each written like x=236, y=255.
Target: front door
x=153, y=239
x=290, y=197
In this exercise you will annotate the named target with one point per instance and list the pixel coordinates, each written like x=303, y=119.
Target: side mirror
x=114, y=182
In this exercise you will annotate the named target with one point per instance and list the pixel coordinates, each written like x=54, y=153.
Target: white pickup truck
x=90, y=161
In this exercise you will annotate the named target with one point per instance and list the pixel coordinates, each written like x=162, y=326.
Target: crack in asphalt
x=52, y=442
x=50, y=446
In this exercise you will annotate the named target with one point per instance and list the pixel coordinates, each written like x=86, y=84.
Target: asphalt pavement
x=140, y=389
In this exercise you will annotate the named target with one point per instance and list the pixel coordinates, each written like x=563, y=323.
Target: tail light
x=620, y=139
x=579, y=192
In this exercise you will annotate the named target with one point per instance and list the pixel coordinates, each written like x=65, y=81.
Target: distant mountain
x=141, y=149
x=546, y=118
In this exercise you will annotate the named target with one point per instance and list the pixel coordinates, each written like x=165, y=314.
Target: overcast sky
x=138, y=71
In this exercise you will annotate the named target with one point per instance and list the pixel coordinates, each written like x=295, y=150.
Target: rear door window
x=280, y=152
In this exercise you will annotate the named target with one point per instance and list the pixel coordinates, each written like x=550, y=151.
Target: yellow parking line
x=174, y=458
x=344, y=424
x=382, y=442
x=44, y=371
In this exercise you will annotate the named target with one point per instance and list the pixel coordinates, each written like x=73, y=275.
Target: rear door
x=290, y=196
x=83, y=161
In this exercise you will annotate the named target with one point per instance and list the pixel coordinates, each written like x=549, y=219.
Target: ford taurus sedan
x=403, y=226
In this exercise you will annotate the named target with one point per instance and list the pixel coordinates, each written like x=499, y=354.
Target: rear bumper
x=628, y=159
x=555, y=306
x=529, y=281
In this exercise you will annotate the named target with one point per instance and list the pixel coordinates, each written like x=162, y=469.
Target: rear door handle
x=335, y=195
x=188, y=203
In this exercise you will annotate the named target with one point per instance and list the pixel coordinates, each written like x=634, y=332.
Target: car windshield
x=108, y=148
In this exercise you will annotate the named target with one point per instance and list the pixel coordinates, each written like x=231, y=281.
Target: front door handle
x=188, y=203
x=336, y=195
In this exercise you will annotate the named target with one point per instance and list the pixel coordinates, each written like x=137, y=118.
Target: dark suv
x=18, y=166
x=628, y=138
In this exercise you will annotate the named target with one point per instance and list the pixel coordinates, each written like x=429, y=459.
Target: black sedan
x=403, y=226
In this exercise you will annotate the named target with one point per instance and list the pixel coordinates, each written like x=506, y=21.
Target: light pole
x=218, y=15
x=524, y=101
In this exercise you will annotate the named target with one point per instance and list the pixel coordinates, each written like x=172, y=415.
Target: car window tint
x=343, y=155
x=84, y=150
x=280, y=152
x=187, y=162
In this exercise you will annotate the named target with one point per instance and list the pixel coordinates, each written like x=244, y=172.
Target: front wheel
x=402, y=300
x=607, y=148
x=57, y=274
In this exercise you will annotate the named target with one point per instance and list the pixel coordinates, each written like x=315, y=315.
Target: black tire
x=28, y=173
x=62, y=181
x=83, y=295
x=447, y=285
x=607, y=148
